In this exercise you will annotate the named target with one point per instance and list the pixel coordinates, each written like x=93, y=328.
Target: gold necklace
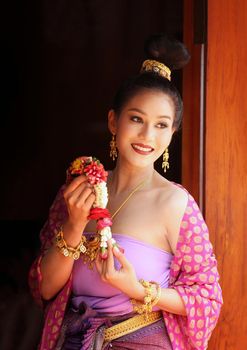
x=128, y=197
x=93, y=245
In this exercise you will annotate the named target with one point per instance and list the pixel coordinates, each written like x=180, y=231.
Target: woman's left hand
x=123, y=279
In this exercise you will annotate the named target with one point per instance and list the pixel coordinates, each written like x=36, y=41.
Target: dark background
x=62, y=62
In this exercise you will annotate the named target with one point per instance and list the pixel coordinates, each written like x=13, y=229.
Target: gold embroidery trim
x=131, y=325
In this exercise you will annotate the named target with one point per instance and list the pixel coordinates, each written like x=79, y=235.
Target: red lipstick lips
x=142, y=149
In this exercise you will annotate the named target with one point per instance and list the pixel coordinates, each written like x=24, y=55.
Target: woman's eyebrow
x=136, y=110
x=140, y=111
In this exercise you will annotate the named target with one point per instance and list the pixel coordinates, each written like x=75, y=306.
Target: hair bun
x=167, y=50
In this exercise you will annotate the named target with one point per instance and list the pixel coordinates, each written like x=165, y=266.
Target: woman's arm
x=55, y=267
x=125, y=279
x=195, y=277
x=169, y=301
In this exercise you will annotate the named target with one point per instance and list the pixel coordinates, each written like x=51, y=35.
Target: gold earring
x=113, y=148
x=165, y=163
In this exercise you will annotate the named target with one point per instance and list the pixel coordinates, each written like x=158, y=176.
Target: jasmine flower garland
x=97, y=176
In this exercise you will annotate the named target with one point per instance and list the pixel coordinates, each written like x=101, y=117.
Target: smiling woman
x=145, y=125
x=157, y=286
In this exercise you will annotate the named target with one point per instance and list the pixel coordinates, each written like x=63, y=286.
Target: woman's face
x=144, y=127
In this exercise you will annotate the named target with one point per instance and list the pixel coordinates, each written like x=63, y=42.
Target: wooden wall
x=226, y=163
x=225, y=159
x=191, y=115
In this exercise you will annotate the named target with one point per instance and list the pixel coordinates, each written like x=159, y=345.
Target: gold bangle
x=148, y=303
x=67, y=250
x=158, y=293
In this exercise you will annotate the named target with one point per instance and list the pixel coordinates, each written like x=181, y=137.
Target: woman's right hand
x=79, y=197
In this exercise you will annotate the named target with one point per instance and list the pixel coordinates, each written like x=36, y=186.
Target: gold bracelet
x=149, y=302
x=158, y=293
x=67, y=250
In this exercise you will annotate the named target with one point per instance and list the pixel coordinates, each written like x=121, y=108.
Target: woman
x=166, y=282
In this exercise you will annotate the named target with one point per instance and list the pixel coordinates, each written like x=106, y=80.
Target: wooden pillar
x=191, y=115
x=194, y=36
x=226, y=163
x=225, y=153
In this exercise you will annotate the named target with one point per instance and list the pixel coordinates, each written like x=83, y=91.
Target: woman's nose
x=146, y=132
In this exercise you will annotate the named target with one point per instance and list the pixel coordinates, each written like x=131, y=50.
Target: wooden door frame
x=193, y=130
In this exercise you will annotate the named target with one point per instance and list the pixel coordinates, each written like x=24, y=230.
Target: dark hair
x=174, y=55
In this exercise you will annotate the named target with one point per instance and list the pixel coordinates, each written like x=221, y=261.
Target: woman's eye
x=136, y=119
x=162, y=125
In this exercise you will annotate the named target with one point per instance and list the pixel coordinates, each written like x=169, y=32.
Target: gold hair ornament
x=156, y=67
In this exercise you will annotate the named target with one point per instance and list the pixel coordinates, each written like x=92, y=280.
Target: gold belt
x=131, y=325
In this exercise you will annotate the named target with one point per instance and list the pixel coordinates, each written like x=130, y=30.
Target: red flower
x=95, y=172
x=89, y=166
x=76, y=168
x=105, y=222
x=99, y=213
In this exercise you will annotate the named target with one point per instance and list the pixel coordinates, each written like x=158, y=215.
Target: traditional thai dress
x=86, y=305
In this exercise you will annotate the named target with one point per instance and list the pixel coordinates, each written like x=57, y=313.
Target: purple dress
x=95, y=304
x=150, y=263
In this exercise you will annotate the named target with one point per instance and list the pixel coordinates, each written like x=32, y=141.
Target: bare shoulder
x=177, y=199
x=174, y=199
x=173, y=196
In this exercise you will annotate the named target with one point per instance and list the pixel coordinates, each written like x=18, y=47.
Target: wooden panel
x=191, y=98
x=226, y=164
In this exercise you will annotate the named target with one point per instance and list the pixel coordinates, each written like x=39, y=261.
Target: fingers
x=90, y=200
x=121, y=258
x=75, y=184
x=98, y=264
x=110, y=258
x=77, y=202
x=79, y=192
x=105, y=267
x=81, y=196
x=123, y=279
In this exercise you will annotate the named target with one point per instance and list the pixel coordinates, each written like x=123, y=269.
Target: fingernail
x=121, y=250
x=116, y=249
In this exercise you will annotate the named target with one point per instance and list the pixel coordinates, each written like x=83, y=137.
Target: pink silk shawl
x=193, y=274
